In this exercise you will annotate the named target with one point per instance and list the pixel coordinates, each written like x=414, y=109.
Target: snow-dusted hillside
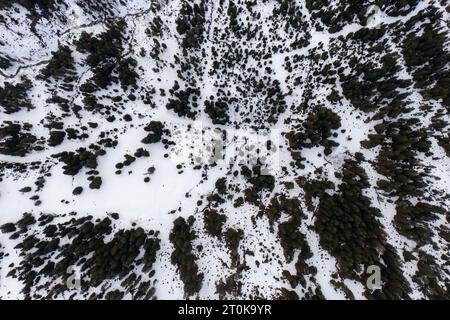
x=211, y=149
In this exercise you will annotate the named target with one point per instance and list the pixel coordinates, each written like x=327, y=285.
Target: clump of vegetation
x=14, y=98
x=280, y=204
x=379, y=90
x=230, y=286
x=397, y=159
x=103, y=254
x=430, y=279
x=413, y=221
x=105, y=57
x=15, y=140
x=184, y=101
x=44, y=5
x=317, y=130
x=183, y=257
x=291, y=238
x=5, y=62
x=77, y=191
x=349, y=229
x=61, y=65
x=221, y=185
x=155, y=131
x=397, y=7
x=8, y=228
x=444, y=142
x=214, y=222
x=155, y=28
x=259, y=182
x=190, y=24
x=127, y=75
x=233, y=238
x=335, y=17
x=426, y=58
x=217, y=111
x=96, y=183
x=56, y=138
x=75, y=161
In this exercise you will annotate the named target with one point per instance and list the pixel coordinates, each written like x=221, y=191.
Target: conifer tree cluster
x=44, y=5
x=397, y=160
x=14, y=97
x=75, y=161
x=191, y=24
x=16, y=140
x=259, y=183
x=214, y=222
x=184, y=102
x=108, y=61
x=427, y=59
x=217, y=111
x=349, y=229
x=103, y=252
x=61, y=65
x=316, y=130
x=181, y=236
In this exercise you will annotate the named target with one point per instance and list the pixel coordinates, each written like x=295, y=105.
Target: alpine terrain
x=224, y=149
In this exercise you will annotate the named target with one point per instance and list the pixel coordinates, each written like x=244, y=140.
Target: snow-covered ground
x=240, y=68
